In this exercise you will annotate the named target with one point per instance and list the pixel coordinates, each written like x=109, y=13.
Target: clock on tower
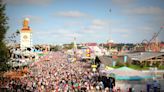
x=25, y=35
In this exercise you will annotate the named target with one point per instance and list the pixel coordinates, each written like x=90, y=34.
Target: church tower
x=25, y=35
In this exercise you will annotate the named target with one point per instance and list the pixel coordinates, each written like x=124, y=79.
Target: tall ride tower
x=110, y=41
x=25, y=35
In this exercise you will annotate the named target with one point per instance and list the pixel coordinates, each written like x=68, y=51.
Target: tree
x=55, y=48
x=3, y=30
x=69, y=46
x=13, y=37
x=119, y=63
x=128, y=64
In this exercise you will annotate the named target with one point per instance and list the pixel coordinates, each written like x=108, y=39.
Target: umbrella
x=131, y=78
x=125, y=73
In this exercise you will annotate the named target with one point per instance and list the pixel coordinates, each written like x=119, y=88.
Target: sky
x=58, y=21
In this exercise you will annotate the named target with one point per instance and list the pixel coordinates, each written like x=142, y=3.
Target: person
x=148, y=86
x=118, y=89
x=130, y=89
x=107, y=89
x=114, y=89
x=111, y=83
x=55, y=76
x=155, y=85
x=101, y=85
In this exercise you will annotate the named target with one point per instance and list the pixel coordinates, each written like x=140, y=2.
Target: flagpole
x=109, y=31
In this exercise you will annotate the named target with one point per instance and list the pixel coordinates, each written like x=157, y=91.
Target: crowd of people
x=53, y=73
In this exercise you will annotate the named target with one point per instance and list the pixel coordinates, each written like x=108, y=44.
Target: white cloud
x=147, y=29
x=31, y=2
x=32, y=19
x=57, y=33
x=72, y=35
x=88, y=31
x=96, y=25
x=125, y=35
x=120, y=30
x=98, y=22
x=37, y=19
x=93, y=29
x=145, y=11
x=72, y=14
x=122, y=2
x=72, y=24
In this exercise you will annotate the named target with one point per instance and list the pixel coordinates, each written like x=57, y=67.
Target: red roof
x=90, y=44
x=162, y=45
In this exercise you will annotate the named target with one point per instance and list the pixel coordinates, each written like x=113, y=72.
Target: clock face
x=25, y=37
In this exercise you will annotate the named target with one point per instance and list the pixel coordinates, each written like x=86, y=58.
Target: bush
x=120, y=63
x=128, y=64
x=158, y=64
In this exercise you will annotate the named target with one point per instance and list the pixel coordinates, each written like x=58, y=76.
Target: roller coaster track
x=148, y=43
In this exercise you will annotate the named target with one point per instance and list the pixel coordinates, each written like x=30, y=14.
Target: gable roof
x=90, y=44
x=141, y=56
x=106, y=60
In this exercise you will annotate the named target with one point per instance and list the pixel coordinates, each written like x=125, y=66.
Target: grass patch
x=161, y=67
x=116, y=67
x=138, y=67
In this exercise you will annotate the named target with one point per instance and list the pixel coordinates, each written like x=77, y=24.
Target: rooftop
x=141, y=56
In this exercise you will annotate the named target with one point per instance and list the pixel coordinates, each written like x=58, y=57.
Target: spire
x=26, y=23
x=26, y=27
x=74, y=42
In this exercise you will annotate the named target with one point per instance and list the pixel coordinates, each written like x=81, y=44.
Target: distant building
x=147, y=58
x=89, y=44
x=94, y=48
x=25, y=35
x=106, y=60
x=111, y=60
x=162, y=47
x=140, y=49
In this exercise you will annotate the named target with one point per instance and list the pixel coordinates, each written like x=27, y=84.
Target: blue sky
x=57, y=21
